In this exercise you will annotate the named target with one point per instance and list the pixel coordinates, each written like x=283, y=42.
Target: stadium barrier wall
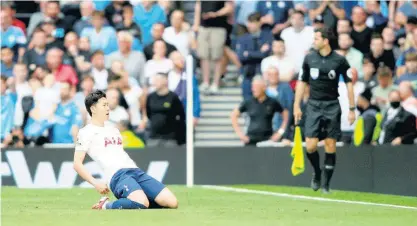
x=382, y=169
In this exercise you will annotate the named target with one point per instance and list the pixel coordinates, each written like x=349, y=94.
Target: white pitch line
x=277, y=194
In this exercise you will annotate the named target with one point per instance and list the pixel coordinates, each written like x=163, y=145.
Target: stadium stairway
x=215, y=127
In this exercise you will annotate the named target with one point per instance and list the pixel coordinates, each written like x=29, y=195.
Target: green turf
x=199, y=207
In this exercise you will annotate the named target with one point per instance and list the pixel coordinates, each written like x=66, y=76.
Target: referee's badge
x=314, y=73
x=332, y=74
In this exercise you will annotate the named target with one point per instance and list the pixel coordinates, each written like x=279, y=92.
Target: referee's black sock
x=329, y=164
x=314, y=158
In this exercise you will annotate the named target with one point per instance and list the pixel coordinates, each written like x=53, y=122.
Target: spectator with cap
x=7, y=109
x=280, y=60
x=147, y=13
x=86, y=10
x=380, y=56
x=352, y=55
x=11, y=8
x=117, y=113
x=210, y=20
x=36, y=56
x=128, y=24
x=409, y=101
x=157, y=35
x=361, y=33
x=133, y=61
x=298, y=39
x=158, y=64
x=381, y=92
x=282, y=92
x=7, y=63
x=275, y=15
x=252, y=48
x=67, y=118
x=101, y=38
x=177, y=83
x=261, y=110
x=371, y=118
x=398, y=125
x=331, y=11
x=114, y=11
x=12, y=37
x=165, y=114
x=176, y=34
x=411, y=72
x=98, y=70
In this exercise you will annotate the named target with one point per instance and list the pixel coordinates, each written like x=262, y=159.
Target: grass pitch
x=200, y=206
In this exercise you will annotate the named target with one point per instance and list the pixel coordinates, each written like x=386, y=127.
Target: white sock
x=104, y=205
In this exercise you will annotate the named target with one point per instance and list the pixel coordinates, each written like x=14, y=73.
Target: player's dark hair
x=5, y=48
x=128, y=7
x=92, y=99
x=326, y=33
x=279, y=40
x=55, y=2
x=254, y=17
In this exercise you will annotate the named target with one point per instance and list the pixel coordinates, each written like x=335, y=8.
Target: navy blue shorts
x=126, y=181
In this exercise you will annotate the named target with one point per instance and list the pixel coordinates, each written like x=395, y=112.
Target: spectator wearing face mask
x=398, y=125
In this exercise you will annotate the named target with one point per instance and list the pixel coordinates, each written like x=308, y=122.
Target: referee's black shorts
x=322, y=119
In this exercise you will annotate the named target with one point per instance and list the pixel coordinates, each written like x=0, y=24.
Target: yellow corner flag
x=297, y=153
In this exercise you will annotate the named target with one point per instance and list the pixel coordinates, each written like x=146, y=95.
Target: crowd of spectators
x=129, y=48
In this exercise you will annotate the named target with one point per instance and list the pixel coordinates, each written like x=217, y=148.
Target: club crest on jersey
x=314, y=73
x=332, y=74
x=112, y=141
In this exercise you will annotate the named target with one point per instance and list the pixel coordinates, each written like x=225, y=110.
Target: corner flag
x=297, y=153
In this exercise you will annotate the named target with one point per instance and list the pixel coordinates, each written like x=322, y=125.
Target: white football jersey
x=105, y=146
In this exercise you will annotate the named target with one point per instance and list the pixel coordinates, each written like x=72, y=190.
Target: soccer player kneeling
x=132, y=187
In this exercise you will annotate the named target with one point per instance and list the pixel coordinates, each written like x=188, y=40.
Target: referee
x=321, y=70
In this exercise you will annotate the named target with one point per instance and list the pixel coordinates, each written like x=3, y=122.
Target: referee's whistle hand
x=297, y=115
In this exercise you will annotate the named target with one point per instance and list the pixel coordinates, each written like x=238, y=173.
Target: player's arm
x=235, y=121
x=79, y=156
x=284, y=113
x=303, y=77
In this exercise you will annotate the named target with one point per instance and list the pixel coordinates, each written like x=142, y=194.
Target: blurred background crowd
x=53, y=53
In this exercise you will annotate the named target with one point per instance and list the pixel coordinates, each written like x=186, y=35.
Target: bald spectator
x=279, y=60
x=62, y=72
x=158, y=64
x=409, y=101
x=353, y=56
x=128, y=24
x=101, y=37
x=117, y=112
x=157, y=35
x=176, y=34
x=261, y=109
x=133, y=61
x=86, y=10
x=12, y=37
x=36, y=56
x=361, y=33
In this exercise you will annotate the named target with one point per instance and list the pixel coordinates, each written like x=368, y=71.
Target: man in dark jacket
x=371, y=119
x=398, y=125
x=252, y=48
